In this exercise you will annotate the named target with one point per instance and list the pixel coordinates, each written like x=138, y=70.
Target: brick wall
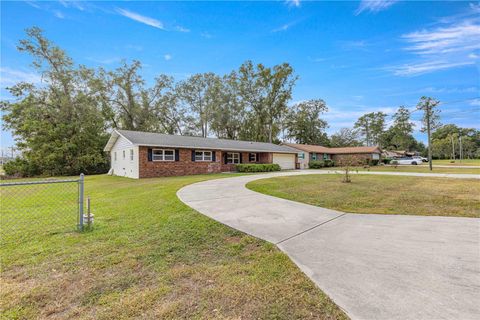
x=356, y=158
x=185, y=165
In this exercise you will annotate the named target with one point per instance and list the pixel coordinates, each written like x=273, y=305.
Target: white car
x=411, y=161
x=421, y=159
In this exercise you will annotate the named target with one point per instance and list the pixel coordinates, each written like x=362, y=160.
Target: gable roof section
x=309, y=147
x=346, y=150
x=176, y=141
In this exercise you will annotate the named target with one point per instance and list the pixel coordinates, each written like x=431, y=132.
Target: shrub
x=20, y=167
x=254, y=167
x=374, y=162
x=316, y=164
x=329, y=163
x=386, y=160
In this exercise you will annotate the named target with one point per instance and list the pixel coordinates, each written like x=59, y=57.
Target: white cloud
x=167, y=57
x=415, y=69
x=475, y=102
x=464, y=36
x=284, y=27
x=72, y=4
x=181, y=29
x=293, y=3
x=206, y=35
x=10, y=77
x=59, y=14
x=33, y=4
x=374, y=5
x=142, y=19
x=450, y=44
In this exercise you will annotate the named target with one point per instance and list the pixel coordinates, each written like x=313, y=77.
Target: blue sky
x=359, y=56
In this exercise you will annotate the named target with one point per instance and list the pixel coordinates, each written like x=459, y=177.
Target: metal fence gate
x=31, y=209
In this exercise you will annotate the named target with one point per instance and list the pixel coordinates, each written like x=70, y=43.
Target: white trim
x=233, y=158
x=213, y=148
x=163, y=155
x=203, y=155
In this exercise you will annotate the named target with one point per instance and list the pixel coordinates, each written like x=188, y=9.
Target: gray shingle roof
x=166, y=140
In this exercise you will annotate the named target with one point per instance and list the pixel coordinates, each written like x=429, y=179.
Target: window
x=163, y=155
x=314, y=156
x=325, y=156
x=301, y=155
x=123, y=154
x=252, y=157
x=203, y=155
x=131, y=154
x=115, y=156
x=233, y=157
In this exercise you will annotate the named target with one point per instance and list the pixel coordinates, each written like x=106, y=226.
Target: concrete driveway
x=372, y=266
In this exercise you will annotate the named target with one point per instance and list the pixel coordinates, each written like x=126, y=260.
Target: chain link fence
x=30, y=209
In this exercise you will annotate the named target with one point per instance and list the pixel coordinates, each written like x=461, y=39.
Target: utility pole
x=427, y=116
x=461, y=148
x=453, y=148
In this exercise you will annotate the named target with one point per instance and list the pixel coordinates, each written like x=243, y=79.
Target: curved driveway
x=372, y=266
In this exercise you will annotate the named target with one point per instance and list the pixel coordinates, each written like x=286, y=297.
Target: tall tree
x=266, y=92
x=399, y=135
x=345, y=137
x=201, y=95
x=304, y=124
x=129, y=104
x=430, y=120
x=229, y=116
x=58, y=124
x=371, y=126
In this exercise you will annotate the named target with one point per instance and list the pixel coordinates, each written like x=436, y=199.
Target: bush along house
x=136, y=154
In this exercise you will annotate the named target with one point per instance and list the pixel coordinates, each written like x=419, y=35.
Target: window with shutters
x=252, y=157
x=233, y=157
x=203, y=155
x=163, y=155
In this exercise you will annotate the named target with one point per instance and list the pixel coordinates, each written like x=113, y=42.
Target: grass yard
x=408, y=168
x=464, y=162
x=151, y=256
x=379, y=194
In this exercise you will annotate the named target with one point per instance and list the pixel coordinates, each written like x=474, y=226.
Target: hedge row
x=258, y=167
x=317, y=164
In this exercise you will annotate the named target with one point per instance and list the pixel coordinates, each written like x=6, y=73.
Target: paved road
x=372, y=266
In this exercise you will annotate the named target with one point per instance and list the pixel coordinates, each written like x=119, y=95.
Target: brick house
x=308, y=152
x=136, y=154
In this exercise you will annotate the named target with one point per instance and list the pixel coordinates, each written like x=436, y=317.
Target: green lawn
x=378, y=194
x=408, y=168
x=465, y=162
x=149, y=256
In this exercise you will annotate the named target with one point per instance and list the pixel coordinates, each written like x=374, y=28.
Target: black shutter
x=225, y=157
x=214, y=158
x=257, y=157
x=177, y=155
x=150, y=155
x=241, y=158
x=193, y=155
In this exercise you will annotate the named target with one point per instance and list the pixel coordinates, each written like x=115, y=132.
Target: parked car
x=422, y=159
x=411, y=161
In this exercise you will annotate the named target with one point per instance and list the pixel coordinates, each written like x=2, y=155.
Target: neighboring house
x=308, y=152
x=138, y=154
x=395, y=154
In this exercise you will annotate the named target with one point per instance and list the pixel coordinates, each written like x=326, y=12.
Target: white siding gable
x=122, y=165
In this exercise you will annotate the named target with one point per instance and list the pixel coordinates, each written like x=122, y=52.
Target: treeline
x=61, y=125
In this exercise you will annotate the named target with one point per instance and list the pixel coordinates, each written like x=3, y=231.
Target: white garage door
x=286, y=161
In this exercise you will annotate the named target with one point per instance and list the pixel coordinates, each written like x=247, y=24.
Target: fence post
x=80, y=201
